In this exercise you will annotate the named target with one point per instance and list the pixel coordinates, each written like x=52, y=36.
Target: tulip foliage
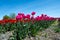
x=26, y=25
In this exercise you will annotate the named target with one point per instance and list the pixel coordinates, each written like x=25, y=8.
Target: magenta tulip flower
x=19, y=16
x=33, y=13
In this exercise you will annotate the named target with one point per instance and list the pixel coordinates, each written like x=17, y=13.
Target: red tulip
x=0, y=21
x=6, y=20
x=12, y=21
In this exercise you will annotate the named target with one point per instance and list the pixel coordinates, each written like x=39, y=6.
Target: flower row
x=27, y=18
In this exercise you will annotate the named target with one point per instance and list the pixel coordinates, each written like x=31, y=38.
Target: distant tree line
x=11, y=16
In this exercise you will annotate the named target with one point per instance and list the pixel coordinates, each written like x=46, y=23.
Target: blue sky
x=49, y=7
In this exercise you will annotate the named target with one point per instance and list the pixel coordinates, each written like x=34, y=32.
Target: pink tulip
x=32, y=18
x=19, y=16
x=38, y=18
x=33, y=13
x=27, y=16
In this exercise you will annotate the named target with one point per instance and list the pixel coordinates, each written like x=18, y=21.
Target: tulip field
x=26, y=25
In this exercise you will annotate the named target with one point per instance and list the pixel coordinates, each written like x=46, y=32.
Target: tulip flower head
x=19, y=16
x=33, y=13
